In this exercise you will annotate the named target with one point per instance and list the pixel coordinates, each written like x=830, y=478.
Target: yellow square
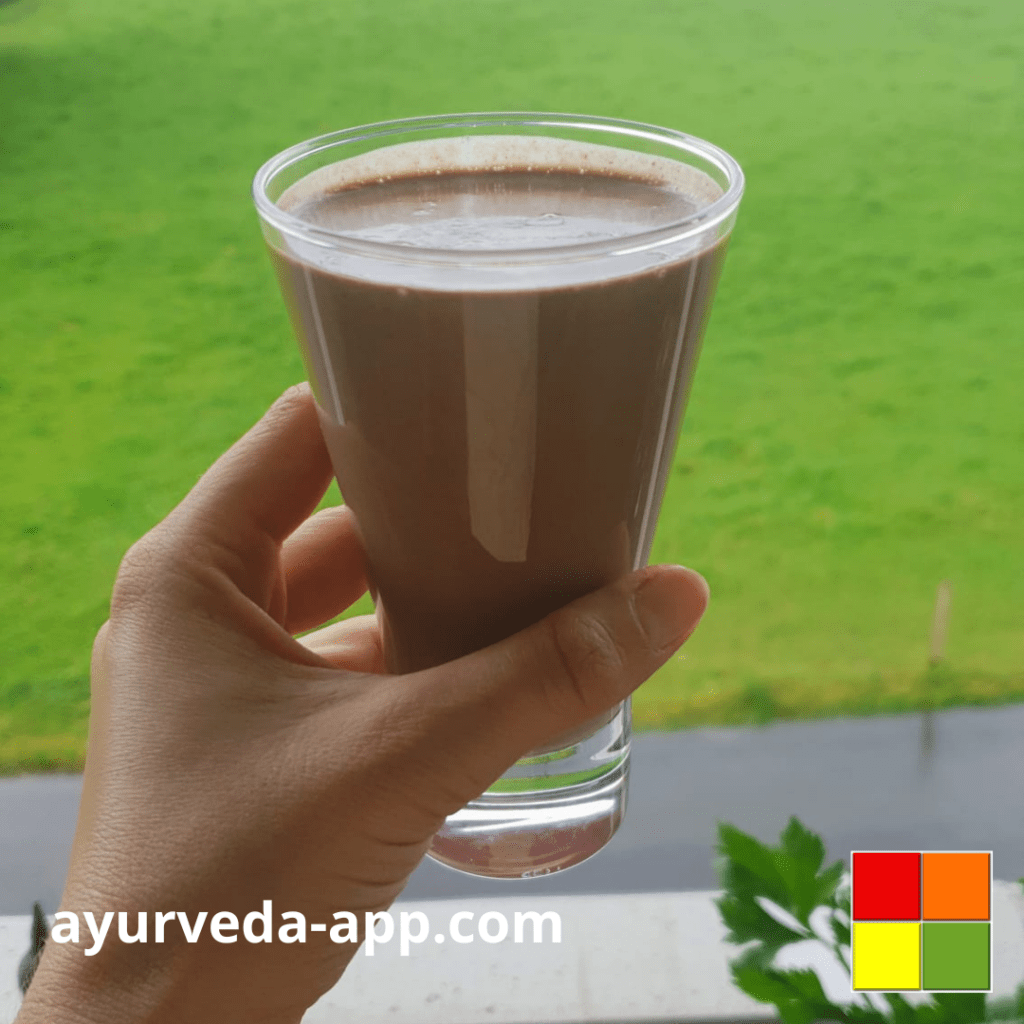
x=887, y=955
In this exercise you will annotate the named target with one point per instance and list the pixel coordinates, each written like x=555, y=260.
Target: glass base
x=550, y=811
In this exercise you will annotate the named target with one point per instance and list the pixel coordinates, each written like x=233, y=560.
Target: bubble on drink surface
x=468, y=234
x=660, y=256
x=504, y=153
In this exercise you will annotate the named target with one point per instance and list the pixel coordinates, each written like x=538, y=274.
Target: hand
x=230, y=762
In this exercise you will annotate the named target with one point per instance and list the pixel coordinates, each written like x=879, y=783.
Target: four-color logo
x=922, y=921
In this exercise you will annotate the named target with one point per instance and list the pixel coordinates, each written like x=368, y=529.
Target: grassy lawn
x=856, y=432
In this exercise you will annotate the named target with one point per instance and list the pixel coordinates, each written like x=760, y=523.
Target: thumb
x=493, y=706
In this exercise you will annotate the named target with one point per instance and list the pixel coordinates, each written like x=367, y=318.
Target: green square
x=957, y=955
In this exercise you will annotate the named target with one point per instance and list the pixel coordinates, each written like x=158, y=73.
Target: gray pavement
x=953, y=781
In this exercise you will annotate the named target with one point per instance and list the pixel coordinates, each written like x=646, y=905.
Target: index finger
x=266, y=484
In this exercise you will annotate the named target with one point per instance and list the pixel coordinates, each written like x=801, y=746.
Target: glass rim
x=678, y=230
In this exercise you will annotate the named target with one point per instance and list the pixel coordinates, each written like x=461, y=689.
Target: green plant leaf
x=795, y=1012
x=756, y=958
x=750, y=866
x=904, y=1013
x=791, y=876
x=961, y=1007
x=806, y=848
x=799, y=858
x=1004, y=1009
x=843, y=900
x=747, y=921
x=797, y=995
x=841, y=931
x=762, y=985
x=827, y=884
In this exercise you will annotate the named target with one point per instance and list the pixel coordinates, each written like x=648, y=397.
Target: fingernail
x=670, y=603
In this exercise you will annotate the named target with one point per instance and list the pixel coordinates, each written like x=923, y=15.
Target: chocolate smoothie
x=503, y=433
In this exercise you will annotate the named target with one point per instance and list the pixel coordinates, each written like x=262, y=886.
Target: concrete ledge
x=637, y=959
x=651, y=957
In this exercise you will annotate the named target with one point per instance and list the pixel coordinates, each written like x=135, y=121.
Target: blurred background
x=856, y=431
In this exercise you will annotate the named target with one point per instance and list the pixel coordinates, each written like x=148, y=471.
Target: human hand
x=230, y=762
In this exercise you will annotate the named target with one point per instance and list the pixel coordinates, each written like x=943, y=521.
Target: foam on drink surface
x=490, y=233
x=495, y=196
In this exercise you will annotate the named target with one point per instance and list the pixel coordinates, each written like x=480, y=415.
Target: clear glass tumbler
x=500, y=315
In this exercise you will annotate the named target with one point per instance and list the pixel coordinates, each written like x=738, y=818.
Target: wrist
x=119, y=985
x=164, y=984
x=69, y=989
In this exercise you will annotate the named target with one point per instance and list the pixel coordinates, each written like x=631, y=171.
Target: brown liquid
x=504, y=451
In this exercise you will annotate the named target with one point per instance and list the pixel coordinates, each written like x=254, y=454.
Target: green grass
x=855, y=433
x=539, y=782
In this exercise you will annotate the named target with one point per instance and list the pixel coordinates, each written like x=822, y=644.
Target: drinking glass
x=500, y=315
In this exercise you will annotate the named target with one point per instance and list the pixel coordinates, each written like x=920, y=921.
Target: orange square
x=955, y=886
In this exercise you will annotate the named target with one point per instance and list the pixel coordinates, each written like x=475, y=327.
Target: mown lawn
x=856, y=432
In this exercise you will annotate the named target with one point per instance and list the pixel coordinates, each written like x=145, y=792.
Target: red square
x=887, y=886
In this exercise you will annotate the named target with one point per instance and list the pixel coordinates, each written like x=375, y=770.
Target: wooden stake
x=940, y=622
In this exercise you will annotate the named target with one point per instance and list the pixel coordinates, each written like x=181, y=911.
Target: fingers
x=257, y=493
x=352, y=645
x=489, y=708
x=324, y=568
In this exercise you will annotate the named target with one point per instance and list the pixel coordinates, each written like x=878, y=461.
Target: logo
x=922, y=921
